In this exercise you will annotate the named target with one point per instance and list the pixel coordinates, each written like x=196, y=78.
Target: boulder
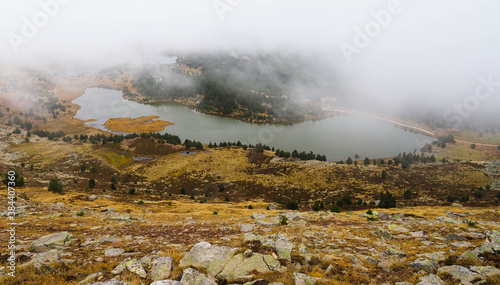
x=240, y=268
x=191, y=276
x=385, y=234
x=259, y=216
x=90, y=278
x=425, y=265
x=166, y=282
x=272, y=206
x=303, y=279
x=485, y=271
x=252, y=237
x=51, y=241
x=283, y=247
x=392, y=251
x=431, y=279
x=110, y=252
x=111, y=282
x=383, y=216
x=161, y=268
x=459, y=273
x=396, y=228
x=246, y=228
x=135, y=266
x=205, y=256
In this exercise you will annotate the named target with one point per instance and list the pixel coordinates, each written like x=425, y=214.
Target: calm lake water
x=336, y=137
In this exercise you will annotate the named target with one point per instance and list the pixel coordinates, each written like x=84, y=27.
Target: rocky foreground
x=102, y=245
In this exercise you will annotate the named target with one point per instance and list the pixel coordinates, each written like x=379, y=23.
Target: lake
x=336, y=137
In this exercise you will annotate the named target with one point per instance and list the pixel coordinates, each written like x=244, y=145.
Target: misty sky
x=435, y=49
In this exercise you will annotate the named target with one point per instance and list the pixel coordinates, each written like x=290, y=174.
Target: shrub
x=471, y=224
x=478, y=194
x=451, y=199
x=55, y=186
x=82, y=168
x=498, y=195
x=387, y=200
x=488, y=187
x=408, y=195
x=347, y=200
x=140, y=202
x=183, y=191
x=340, y=203
x=371, y=219
x=227, y=199
x=250, y=207
x=131, y=191
x=80, y=214
x=464, y=199
x=221, y=187
x=113, y=186
x=335, y=208
x=359, y=202
x=91, y=183
x=283, y=221
x=292, y=205
x=369, y=212
x=318, y=205
x=93, y=170
x=215, y=213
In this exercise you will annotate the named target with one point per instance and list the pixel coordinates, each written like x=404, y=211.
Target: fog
x=423, y=54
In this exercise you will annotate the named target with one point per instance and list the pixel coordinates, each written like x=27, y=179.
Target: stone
x=457, y=272
x=246, y=228
x=90, y=278
x=240, y=268
x=191, y=276
x=50, y=241
x=436, y=256
x=135, y=266
x=283, y=247
x=110, y=252
x=392, y=251
x=166, y=282
x=111, y=282
x=93, y=197
x=161, y=268
x=272, y=206
x=455, y=237
x=461, y=244
x=110, y=238
x=45, y=259
x=396, y=228
x=252, y=237
x=425, y=265
x=119, y=268
x=303, y=279
x=485, y=271
x=383, y=216
x=419, y=234
x=430, y=279
x=385, y=234
x=205, y=256
x=259, y=216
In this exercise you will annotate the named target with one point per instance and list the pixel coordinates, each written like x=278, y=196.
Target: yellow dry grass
x=45, y=152
x=144, y=124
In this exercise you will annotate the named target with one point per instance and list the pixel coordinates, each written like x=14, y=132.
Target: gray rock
x=425, y=265
x=385, y=234
x=419, y=234
x=303, y=279
x=166, y=282
x=283, y=247
x=110, y=252
x=111, y=282
x=392, y=251
x=436, y=256
x=51, y=241
x=90, y=278
x=252, y=237
x=431, y=279
x=272, y=206
x=161, y=268
x=383, y=216
x=246, y=228
x=259, y=216
x=93, y=197
x=485, y=271
x=240, y=268
x=205, y=256
x=110, y=238
x=461, y=244
x=119, y=268
x=135, y=266
x=455, y=237
x=457, y=272
x=191, y=276
x=396, y=228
